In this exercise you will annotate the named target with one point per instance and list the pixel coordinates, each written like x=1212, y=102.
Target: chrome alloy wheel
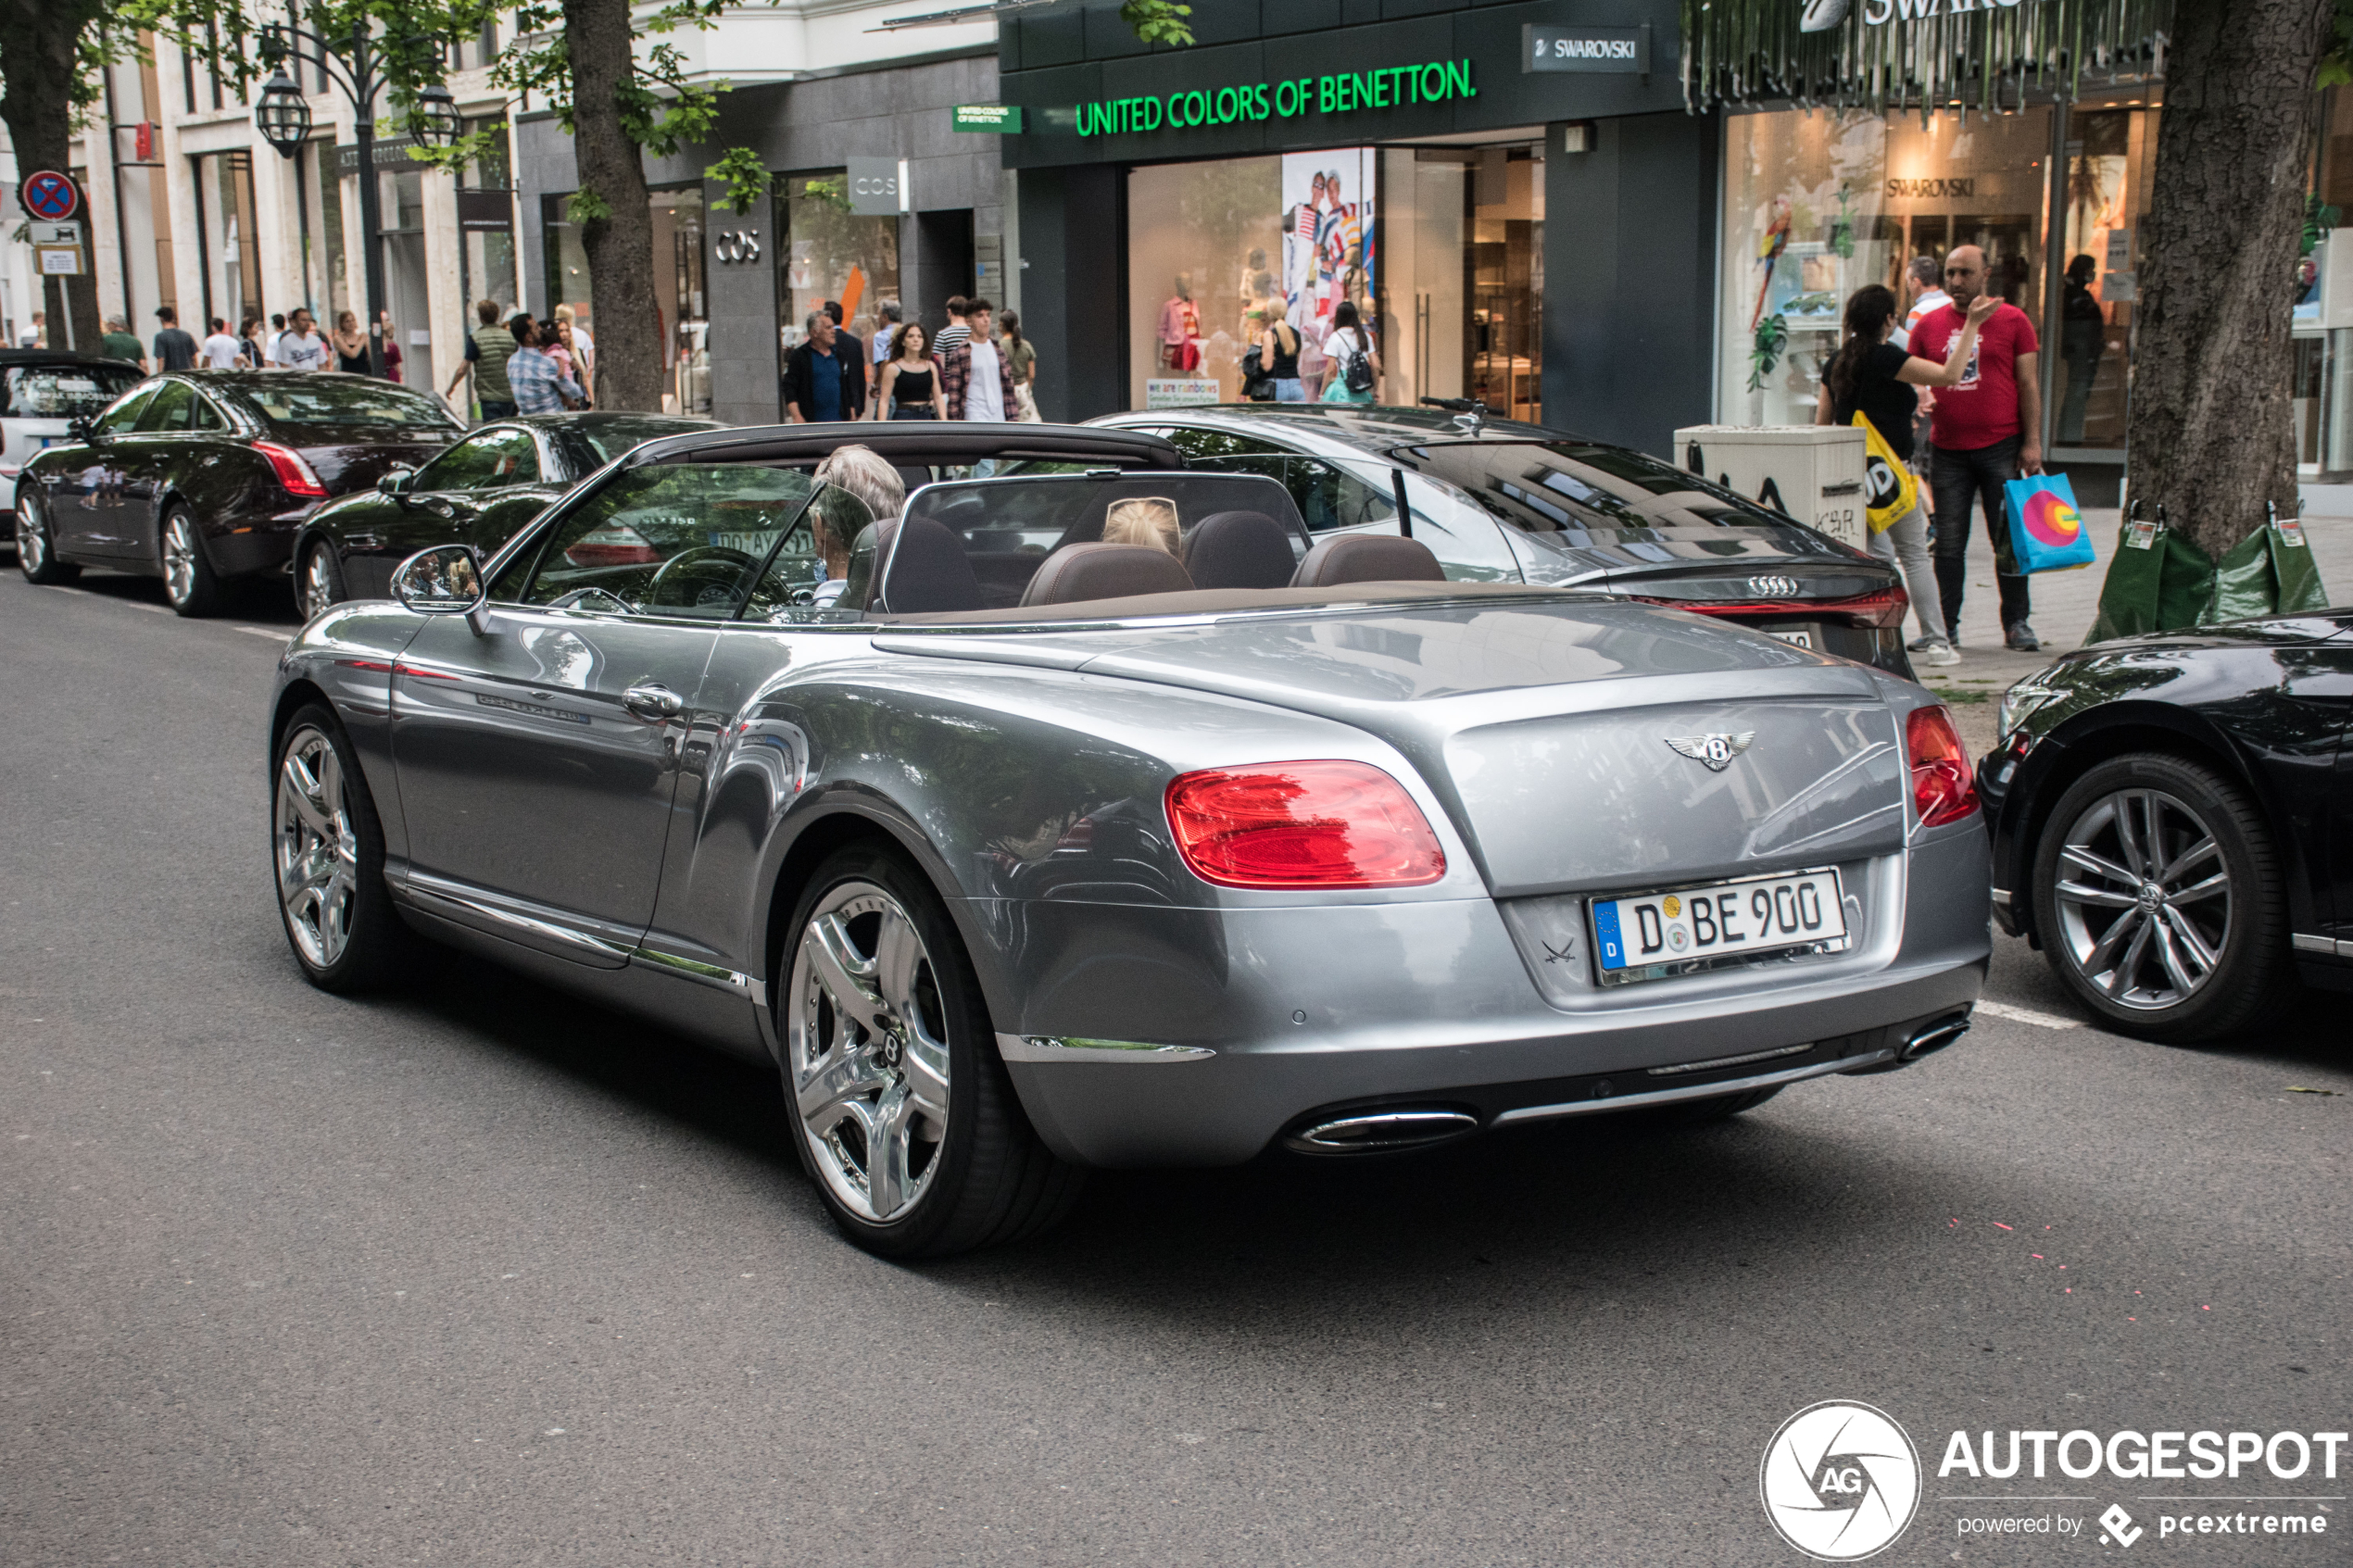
x=867, y=1041
x=33, y=542
x=179, y=557
x=317, y=583
x=317, y=852
x=2144, y=898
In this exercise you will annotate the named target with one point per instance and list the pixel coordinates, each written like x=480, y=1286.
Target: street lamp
x=283, y=119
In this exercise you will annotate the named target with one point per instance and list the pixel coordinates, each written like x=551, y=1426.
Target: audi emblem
x=1775, y=587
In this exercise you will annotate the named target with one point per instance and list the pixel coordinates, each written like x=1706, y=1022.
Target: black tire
x=2252, y=977
x=318, y=576
x=374, y=945
x=988, y=1180
x=36, y=545
x=189, y=584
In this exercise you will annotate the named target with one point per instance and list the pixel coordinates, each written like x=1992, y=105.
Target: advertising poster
x=1329, y=254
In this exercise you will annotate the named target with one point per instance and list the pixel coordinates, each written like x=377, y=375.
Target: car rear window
x=344, y=400
x=1578, y=487
x=65, y=392
x=601, y=442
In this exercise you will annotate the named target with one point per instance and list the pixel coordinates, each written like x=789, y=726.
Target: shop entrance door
x=1465, y=293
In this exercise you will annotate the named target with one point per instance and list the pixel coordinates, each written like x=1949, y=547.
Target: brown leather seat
x=1239, y=550
x=1368, y=557
x=1079, y=572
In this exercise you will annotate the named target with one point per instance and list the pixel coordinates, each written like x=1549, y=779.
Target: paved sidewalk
x=2065, y=605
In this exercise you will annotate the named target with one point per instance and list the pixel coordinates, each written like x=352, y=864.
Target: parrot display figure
x=1774, y=241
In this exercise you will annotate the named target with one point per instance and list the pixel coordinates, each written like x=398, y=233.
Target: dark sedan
x=2173, y=821
x=1500, y=500
x=477, y=491
x=198, y=477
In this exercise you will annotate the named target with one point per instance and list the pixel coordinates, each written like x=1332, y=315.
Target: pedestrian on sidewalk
x=910, y=384
x=252, y=353
x=299, y=347
x=957, y=330
x=1987, y=428
x=175, y=350
x=392, y=346
x=975, y=379
x=219, y=349
x=1023, y=355
x=851, y=345
x=886, y=322
x=1871, y=376
x=120, y=344
x=825, y=377
x=572, y=327
x=538, y=385
x=488, y=347
x=351, y=345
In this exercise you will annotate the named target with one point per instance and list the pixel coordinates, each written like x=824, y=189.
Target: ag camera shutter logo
x=1841, y=1481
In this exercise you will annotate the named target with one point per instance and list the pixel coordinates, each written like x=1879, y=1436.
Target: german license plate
x=1800, y=639
x=1653, y=936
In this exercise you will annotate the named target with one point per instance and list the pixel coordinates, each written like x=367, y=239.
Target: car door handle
x=654, y=702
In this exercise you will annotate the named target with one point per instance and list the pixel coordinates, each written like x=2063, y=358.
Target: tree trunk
x=620, y=243
x=38, y=60
x=2211, y=435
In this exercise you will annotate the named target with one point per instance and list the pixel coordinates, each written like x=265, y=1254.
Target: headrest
x=1239, y=550
x=926, y=570
x=1079, y=572
x=1368, y=557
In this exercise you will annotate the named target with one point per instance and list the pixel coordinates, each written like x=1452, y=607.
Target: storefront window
x=566, y=263
x=486, y=225
x=233, y=252
x=1215, y=251
x=832, y=253
x=678, y=284
x=2110, y=155
x=402, y=206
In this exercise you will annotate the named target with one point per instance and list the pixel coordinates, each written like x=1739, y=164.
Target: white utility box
x=1812, y=472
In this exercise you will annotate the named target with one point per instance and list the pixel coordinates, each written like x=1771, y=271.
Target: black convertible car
x=2173, y=821
x=204, y=475
x=478, y=492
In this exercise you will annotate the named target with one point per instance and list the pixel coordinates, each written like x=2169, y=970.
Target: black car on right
x=2172, y=822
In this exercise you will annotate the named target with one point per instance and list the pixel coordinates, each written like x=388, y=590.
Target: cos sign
x=736, y=245
x=878, y=187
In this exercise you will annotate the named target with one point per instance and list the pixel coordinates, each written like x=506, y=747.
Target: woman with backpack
x=1353, y=362
x=1874, y=378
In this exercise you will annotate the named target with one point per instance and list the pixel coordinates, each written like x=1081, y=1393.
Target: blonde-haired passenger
x=1143, y=519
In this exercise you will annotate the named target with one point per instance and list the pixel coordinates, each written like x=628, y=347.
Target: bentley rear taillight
x=1942, y=788
x=1302, y=825
x=294, y=475
x=1883, y=607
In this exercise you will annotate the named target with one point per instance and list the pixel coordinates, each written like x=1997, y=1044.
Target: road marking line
x=263, y=632
x=2028, y=1015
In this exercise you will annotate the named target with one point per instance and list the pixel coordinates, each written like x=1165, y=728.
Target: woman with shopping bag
x=1869, y=383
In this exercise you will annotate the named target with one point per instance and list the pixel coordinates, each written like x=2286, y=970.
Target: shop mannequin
x=1180, y=327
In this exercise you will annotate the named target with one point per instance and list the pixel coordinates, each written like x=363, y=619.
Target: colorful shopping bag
x=1890, y=488
x=2046, y=532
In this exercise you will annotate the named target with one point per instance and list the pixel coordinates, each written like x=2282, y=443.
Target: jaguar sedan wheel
x=321, y=585
x=907, y=1119
x=2156, y=899
x=35, y=556
x=188, y=581
x=328, y=854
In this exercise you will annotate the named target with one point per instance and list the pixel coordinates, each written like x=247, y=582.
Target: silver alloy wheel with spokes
x=33, y=544
x=866, y=1040
x=318, y=583
x=317, y=851
x=2144, y=898
x=179, y=557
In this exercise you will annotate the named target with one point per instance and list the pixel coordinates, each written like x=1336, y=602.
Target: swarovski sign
x=1820, y=16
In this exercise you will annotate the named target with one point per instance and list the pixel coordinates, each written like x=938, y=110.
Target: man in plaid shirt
x=535, y=380
x=995, y=398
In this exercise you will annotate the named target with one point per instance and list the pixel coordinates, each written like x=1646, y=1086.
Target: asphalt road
x=478, y=1274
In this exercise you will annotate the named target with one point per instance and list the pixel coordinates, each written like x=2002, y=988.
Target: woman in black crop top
x=1874, y=378
x=911, y=387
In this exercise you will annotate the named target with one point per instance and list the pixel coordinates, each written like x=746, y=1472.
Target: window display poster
x=1328, y=251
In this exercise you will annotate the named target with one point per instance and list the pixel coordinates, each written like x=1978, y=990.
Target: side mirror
x=396, y=484
x=82, y=428
x=446, y=580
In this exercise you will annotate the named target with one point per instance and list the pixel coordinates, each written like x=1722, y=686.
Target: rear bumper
x=1282, y=1016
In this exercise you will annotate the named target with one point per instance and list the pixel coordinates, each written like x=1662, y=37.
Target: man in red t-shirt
x=1987, y=430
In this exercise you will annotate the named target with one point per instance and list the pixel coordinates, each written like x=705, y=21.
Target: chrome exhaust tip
x=1932, y=1037
x=1381, y=1132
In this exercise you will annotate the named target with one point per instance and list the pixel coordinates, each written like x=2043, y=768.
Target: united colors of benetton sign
x=1385, y=87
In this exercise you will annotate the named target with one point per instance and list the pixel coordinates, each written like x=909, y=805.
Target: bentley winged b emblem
x=1713, y=752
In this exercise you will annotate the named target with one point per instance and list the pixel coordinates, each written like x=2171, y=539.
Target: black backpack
x=1357, y=374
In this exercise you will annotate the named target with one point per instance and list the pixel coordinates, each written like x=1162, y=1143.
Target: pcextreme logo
x=1840, y=1481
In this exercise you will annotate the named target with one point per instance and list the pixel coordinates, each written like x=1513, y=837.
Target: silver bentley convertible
x=1083, y=809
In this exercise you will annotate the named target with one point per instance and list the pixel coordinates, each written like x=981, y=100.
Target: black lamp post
x=282, y=116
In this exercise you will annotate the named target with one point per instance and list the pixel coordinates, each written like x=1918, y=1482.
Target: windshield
x=598, y=443
x=1605, y=492
x=343, y=400
x=65, y=392
x=1040, y=539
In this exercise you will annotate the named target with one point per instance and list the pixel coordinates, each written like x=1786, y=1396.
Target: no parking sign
x=49, y=195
